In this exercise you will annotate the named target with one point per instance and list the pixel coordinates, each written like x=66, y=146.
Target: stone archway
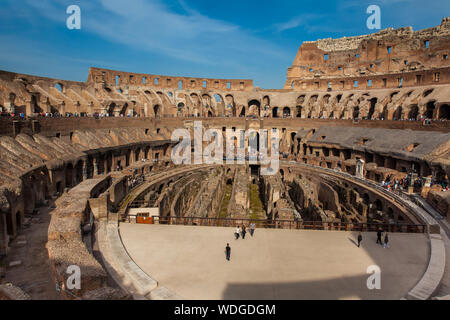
x=275, y=112
x=413, y=112
x=398, y=113
x=111, y=109
x=299, y=111
x=230, y=107
x=157, y=111
x=123, y=111
x=181, y=110
x=356, y=113
x=444, y=112
x=373, y=103
x=254, y=108
x=430, y=110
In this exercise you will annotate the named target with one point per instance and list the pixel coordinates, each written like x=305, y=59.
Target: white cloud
x=291, y=24
x=151, y=25
x=305, y=20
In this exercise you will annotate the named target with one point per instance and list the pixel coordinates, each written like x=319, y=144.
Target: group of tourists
x=21, y=115
x=135, y=180
x=240, y=231
x=395, y=185
x=382, y=238
x=443, y=184
x=132, y=182
x=398, y=185
x=383, y=235
x=95, y=115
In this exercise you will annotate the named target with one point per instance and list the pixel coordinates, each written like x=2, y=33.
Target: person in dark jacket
x=228, y=251
x=359, y=239
x=379, y=233
x=244, y=231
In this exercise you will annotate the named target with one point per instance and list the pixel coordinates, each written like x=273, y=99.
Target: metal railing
x=304, y=225
x=289, y=224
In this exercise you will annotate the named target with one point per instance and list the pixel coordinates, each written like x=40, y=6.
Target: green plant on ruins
x=256, y=210
x=225, y=201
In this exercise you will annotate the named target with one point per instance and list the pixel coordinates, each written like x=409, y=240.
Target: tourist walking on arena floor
x=243, y=231
x=359, y=239
x=386, y=241
x=252, y=228
x=228, y=251
x=379, y=233
x=237, y=232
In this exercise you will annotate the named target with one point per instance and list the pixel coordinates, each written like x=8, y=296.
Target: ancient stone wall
x=389, y=59
x=440, y=201
x=408, y=102
x=185, y=196
x=209, y=195
x=276, y=200
x=66, y=247
x=329, y=199
x=107, y=77
x=34, y=168
x=240, y=200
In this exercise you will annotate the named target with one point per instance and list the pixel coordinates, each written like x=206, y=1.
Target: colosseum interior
x=88, y=179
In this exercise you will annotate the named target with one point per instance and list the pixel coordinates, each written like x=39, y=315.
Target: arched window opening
x=413, y=112
x=444, y=112
x=398, y=114
x=254, y=108
x=429, y=112
x=59, y=87
x=157, y=111
x=275, y=112
x=356, y=113
x=373, y=103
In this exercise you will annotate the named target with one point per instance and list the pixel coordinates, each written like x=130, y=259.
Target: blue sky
x=217, y=39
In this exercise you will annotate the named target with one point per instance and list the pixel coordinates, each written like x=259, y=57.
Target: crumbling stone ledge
x=66, y=247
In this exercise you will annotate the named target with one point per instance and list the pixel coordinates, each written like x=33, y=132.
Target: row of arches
x=206, y=105
x=41, y=184
x=413, y=112
x=254, y=110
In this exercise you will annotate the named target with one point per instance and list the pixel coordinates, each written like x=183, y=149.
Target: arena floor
x=274, y=264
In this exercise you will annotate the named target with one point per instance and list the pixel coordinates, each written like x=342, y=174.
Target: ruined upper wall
x=118, y=78
x=352, y=43
x=385, y=55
